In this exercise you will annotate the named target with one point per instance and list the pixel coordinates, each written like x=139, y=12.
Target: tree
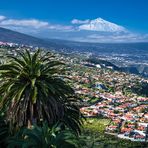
x=33, y=90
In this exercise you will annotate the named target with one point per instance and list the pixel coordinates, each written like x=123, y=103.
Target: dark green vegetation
x=44, y=137
x=103, y=63
x=33, y=91
x=139, y=88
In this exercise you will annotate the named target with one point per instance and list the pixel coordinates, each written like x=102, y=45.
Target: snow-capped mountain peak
x=100, y=24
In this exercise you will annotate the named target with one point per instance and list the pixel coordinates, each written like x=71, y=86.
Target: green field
x=96, y=125
x=93, y=133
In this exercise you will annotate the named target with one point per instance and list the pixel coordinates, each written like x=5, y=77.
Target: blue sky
x=52, y=18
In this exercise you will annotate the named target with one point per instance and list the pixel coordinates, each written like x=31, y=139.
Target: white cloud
x=31, y=24
x=76, y=21
x=2, y=17
x=26, y=23
x=62, y=28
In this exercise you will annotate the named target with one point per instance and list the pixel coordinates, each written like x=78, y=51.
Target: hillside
x=7, y=35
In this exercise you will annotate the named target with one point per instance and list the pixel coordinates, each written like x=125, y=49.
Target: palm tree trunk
x=30, y=121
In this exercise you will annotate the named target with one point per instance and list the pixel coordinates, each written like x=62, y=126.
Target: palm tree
x=33, y=90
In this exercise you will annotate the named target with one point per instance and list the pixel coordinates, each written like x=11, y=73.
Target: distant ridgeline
x=138, y=69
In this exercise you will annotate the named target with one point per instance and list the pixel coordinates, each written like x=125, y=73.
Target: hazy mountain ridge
x=7, y=35
x=137, y=53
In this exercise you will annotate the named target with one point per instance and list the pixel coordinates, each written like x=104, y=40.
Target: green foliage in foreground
x=44, y=137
